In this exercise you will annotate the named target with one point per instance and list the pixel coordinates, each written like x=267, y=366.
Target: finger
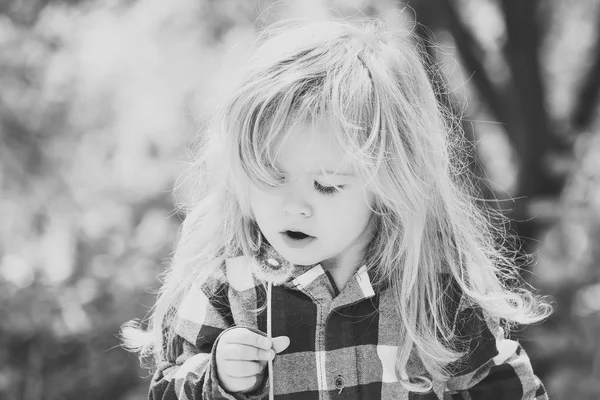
x=242, y=384
x=234, y=351
x=242, y=369
x=247, y=337
x=263, y=364
x=280, y=343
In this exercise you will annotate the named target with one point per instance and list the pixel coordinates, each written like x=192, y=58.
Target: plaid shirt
x=343, y=345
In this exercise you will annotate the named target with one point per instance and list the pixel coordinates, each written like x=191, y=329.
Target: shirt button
x=340, y=382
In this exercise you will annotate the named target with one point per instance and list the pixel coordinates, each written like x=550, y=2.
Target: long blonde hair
x=372, y=83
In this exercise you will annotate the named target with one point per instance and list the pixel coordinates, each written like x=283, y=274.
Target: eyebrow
x=328, y=172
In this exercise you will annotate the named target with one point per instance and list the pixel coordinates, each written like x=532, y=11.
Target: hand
x=242, y=356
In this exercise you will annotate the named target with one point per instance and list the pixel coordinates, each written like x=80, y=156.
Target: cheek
x=361, y=207
x=362, y=215
x=254, y=201
x=349, y=213
x=261, y=203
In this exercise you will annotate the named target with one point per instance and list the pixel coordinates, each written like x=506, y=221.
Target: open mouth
x=296, y=235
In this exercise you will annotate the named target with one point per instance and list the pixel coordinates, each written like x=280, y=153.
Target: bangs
x=301, y=88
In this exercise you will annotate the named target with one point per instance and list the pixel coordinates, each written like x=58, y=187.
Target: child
x=330, y=209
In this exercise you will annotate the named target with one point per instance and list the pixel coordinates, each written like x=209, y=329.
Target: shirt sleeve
x=495, y=368
x=191, y=373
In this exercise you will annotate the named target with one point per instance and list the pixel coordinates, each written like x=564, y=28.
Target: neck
x=344, y=266
x=341, y=276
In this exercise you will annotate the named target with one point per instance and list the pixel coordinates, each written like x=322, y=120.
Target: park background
x=101, y=100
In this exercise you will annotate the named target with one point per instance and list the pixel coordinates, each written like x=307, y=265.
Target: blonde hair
x=372, y=83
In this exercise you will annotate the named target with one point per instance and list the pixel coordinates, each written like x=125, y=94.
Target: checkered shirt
x=342, y=345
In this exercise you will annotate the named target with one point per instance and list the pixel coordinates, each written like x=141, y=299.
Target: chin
x=297, y=259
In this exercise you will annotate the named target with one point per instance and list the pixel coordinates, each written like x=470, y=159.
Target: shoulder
x=234, y=272
x=466, y=317
x=240, y=273
x=474, y=332
x=476, y=336
x=237, y=273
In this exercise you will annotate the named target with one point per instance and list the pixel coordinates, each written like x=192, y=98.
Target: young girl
x=332, y=250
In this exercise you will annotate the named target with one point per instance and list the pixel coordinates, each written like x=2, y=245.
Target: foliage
x=99, y=102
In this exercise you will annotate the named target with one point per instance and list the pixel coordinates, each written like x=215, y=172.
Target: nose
x=294, y=204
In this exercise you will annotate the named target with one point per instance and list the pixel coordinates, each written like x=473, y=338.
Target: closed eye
x=327, y=190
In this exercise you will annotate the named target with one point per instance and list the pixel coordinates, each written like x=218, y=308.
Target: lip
x=297, y=244
x=296, y=230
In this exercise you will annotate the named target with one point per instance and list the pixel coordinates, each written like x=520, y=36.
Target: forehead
x=312, y=147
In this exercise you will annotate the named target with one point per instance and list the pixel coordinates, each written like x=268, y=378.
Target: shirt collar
x=314, y=280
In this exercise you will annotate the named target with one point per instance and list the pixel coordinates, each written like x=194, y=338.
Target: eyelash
x=325, y=190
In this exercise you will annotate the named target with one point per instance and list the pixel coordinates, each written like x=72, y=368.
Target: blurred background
x=100, y=100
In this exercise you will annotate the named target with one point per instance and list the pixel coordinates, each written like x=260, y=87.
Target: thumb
x=280, y=343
